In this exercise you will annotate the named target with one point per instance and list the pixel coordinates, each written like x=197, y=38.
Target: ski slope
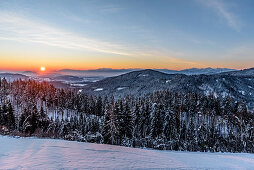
x=33, y=153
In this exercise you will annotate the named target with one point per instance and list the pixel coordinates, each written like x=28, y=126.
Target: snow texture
x=79, y=85
x=98, y=89
x=120, y=88
x=33, y=153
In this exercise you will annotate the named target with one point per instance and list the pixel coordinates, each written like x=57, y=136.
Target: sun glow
x=43, y=68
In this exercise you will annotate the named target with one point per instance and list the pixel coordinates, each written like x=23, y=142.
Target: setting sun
x=43, y=68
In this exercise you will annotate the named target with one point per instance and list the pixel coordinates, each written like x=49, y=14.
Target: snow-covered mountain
x=13, y=76
x=145, y=81
x=245, y=72
x=208, y=71
x=69, y=76
x=107, y=72
x=197, y=71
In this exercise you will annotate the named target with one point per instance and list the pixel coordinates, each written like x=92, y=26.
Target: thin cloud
x=111, y=9
x=20, y=29
x=222, y=10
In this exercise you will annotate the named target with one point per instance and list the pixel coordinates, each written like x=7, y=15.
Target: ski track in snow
x=33, y=153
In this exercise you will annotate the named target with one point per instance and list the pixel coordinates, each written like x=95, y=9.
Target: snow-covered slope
x=31, y=153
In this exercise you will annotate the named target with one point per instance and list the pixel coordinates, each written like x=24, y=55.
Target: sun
x=43, y=68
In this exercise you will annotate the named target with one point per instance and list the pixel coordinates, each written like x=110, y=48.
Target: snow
x=79, y=85
x=224, y=94
x=242, y=92
x=33, y=153
x=98, y=89
x=207, y=90
x=143, y=75
x=120, y=88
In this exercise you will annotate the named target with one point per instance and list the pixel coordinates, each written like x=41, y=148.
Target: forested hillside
x=161, y=120
x=238, y=85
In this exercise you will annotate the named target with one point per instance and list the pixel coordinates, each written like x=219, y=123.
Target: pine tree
x=34, y=120
x=191, y=135
x=11, y=118
x=111, y=129
x=43, y=119
x=98, y=109
x=1, y=116
x=128, y=123
x=25, y=123
x=157, y=121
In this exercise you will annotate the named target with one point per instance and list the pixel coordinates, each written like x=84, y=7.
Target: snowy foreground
x=32, y=153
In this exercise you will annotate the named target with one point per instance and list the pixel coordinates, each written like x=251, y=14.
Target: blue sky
x=172, y=34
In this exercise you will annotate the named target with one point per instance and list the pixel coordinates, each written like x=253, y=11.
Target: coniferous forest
x=161, y=120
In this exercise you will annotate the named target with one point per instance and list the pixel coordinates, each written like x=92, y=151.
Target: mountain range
x=219, y=82
x=108, y=72
x=237, y=84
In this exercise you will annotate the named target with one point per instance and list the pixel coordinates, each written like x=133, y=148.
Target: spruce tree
x=11, y=118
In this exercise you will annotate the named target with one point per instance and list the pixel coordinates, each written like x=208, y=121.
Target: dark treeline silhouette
x=161, y=120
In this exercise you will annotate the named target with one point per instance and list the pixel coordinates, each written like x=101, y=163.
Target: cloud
x=242, y=53
x=222, y=10
x=22, y=29
x=111, y=9
x=13, y=27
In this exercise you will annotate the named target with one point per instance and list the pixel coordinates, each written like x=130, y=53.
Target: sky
x=91, y=34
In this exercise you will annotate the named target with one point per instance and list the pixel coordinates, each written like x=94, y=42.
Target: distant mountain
x=245, y=72
x=13, y=76
x=67, y=78
x=108, y=72
x=198, y=71
x=29, y=73
x=97, y=70
x=141, y=82
x=208, y=71
x=103, y=72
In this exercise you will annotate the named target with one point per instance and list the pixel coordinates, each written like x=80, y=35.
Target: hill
x=13, y=76
x=142, y=82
